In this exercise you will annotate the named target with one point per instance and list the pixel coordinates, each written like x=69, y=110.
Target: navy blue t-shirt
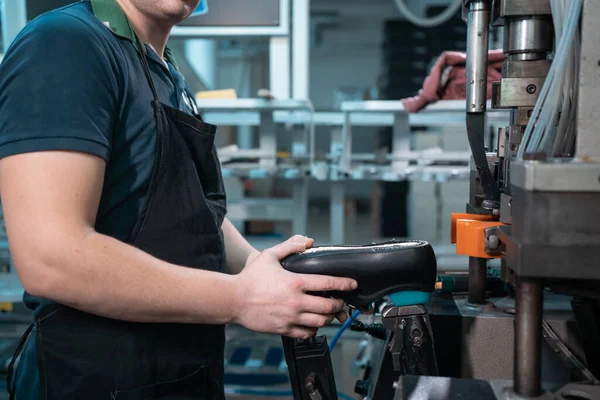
x=69, y=83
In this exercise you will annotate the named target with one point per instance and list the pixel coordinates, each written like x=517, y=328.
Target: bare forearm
x=237, y=248
x=104, y=276
x=50, y=201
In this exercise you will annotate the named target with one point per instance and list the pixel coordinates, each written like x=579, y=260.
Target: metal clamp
x=493, y=245
x=411, y=344
x=473, y=235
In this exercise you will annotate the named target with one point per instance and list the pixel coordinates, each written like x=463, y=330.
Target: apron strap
x=141, y=48
x=10, y=385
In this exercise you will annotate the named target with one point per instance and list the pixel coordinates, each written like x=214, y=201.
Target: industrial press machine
x=533, y=205
x=533, y=201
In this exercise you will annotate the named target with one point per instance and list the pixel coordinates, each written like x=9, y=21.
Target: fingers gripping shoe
x=403, y=270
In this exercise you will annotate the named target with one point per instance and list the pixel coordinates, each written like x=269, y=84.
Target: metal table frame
x=392, y=113
x=339, y=168
x=241, y=209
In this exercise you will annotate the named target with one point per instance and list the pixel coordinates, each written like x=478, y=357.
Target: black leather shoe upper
x=379, y=269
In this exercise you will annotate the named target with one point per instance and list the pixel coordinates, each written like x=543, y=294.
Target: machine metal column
x=477, y=50
x=477, y=279
x=528, y=338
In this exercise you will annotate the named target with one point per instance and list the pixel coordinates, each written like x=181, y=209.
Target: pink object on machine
x=447, y=79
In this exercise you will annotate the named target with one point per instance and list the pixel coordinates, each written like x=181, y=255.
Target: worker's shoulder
x=72, y=23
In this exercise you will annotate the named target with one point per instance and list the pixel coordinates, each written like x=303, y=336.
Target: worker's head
x=173, y=11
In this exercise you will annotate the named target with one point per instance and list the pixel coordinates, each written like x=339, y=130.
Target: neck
x=153, y=32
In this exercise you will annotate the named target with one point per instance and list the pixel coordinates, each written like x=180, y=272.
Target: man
x=115, y=213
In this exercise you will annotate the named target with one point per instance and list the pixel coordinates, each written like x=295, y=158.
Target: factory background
x=389, y=59
x=288, y=94
x=357, y=50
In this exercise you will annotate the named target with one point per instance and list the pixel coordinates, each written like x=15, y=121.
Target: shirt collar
x=112, y=16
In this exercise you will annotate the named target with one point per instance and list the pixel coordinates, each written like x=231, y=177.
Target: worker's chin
x=187, y=8
x=178, y=10
x=175, y=17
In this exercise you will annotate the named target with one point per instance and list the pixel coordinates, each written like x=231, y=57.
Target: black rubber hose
x=475, y=133
x=375, y=330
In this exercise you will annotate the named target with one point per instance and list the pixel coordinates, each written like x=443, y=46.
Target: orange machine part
x=468, y=233
x=473, y=217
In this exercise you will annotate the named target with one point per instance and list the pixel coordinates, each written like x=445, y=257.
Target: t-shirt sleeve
x=59, y=89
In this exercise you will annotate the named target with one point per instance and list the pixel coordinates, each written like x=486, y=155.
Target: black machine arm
x=310, y=370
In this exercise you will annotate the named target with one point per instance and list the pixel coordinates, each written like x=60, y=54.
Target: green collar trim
x=112, y=16
x=170, y=57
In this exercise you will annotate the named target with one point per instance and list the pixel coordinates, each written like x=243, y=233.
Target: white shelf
x=252, y=105
x=368, y=113
x=398, y=106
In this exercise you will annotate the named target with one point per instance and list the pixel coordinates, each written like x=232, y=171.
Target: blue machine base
x=401, y=299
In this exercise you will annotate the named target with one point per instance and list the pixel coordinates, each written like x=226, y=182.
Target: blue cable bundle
x=340, y=332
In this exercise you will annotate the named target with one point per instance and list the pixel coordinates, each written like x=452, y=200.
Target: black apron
x=84, y=356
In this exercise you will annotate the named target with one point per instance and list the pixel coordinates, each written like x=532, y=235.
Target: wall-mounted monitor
x=231, y=18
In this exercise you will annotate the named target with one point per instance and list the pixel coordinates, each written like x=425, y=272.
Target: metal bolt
x=480, y=33
x=416, y=333
x=417, y=341
x=531, y=89
x=481, y=81
x=472, y=105
x=493, y=242
x=513, y=147
x=472, y=81
x=403, y=322
x=309, y=384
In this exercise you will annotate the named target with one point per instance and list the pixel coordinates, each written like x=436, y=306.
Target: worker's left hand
x=341, y=316
x=271, y=299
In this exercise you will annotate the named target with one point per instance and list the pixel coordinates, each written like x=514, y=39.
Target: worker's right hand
x=273, y=300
